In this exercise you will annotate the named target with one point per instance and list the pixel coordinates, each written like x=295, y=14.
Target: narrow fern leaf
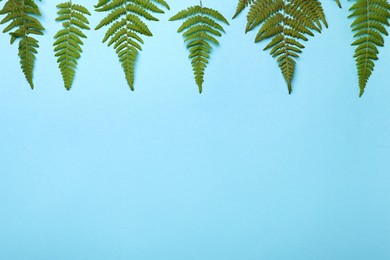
x=242, y=4
x=286, y=23
x=200, y=29
x=22, y=25
x=126, y=26
x=338, y=3
x=371, y=17
x=67, y=44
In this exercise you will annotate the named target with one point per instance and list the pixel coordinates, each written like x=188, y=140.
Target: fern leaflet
x=126, y=28
x=242, y=4
x=371, y=17
x=20, y=14
x=286, y=23
x=67, y=41
x=200, y=29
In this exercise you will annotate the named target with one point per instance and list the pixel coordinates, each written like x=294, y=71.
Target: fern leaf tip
x=289, y=87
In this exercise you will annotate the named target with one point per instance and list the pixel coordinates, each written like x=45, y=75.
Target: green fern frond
x=338, y=3
x=126, y=26
x=67, y=45
x=22, y=24
x=286, y=23
x=200, y=29
x=242, y=4
x=370, y=19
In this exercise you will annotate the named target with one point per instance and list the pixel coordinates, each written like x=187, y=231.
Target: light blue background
x=243, y=171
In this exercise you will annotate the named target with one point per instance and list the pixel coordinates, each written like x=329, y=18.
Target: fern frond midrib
x=286, y=54
x=367, y=42
x=68, y=28
x=128, y=58
x=24, y=41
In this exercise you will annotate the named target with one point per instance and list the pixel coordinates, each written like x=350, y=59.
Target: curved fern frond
x=20, y=14
x=370, y=19
x=200, y=29
x=286, y=23
x=242, y=4
x=126, y=21
x=67, y=45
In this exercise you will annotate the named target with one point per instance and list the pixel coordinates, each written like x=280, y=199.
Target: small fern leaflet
x=67, y=41
x=126, y=20
x=371, y=17
x=242, y=4
x=286, y=23
x=200, y=29
x=20, y=14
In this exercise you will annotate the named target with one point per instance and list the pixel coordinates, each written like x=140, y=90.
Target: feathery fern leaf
x=67, y=41
x=370, y=19
x=242, y=4
x=200, y=29
x=126, y=28
x=286, y=23
x=20, y=14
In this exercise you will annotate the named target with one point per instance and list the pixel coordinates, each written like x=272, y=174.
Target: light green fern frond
x=371, y=17
x=67, y=45
x=200, y=29
x=20, y=14
x=126, y=26
x=286, y=23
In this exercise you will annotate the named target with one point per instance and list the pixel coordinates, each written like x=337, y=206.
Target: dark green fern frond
x=20, y=14
x=200, y=29
x=338, y=3
x=67, y=41
x=286, y=23
x=126, y=26
x=371, y=17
